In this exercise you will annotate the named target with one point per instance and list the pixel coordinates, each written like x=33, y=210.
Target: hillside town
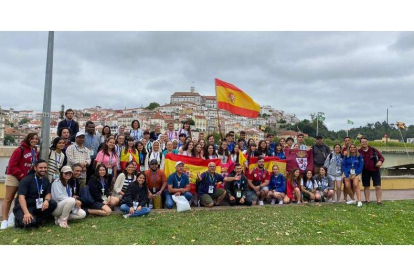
x=191, y=106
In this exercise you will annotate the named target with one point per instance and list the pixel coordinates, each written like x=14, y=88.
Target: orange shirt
x=155, y=179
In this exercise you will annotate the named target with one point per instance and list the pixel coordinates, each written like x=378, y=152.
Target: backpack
x=331, y=156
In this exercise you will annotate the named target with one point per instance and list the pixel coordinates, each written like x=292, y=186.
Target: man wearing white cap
x=78, y=153
x=178, y=185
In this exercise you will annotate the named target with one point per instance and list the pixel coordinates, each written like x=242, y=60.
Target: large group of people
x=94, y=173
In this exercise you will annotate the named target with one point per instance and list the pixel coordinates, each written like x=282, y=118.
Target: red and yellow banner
x=269, y=162
x=192, y=166
x=234, y=100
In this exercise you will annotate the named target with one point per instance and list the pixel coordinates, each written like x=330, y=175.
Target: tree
x=23, y=121
x=62, y=112
x=152, y=106
x=191, y=122
x=8, y=140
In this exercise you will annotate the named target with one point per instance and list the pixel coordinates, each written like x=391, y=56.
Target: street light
x=319, y=116
x=386, y=137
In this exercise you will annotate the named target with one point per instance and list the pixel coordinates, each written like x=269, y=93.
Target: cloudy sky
x=347, y=75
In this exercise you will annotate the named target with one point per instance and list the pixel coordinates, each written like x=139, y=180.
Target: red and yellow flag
x=192, y=166
x=234, y=100
x=269, y=162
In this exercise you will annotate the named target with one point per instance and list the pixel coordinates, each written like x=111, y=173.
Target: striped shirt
x=54, y=163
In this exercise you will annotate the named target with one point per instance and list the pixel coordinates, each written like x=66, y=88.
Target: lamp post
x=386, y=132
x=319, y=116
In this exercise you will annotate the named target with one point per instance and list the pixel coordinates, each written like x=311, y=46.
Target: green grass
x=306, y=224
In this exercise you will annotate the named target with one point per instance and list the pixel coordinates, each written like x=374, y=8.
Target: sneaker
x=150, y=206
x=379, y=203
x=273, y=202
x=126, y=216
x=298, y=202
x=11, y=220
x=261, y=203
x=56, y=221
x=281, y=202
x=63, y=223
x=359, y=204
x=4, y=224
x=367, y=202
x=351, y=202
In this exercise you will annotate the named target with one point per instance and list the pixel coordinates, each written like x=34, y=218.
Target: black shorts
x=97, y=206
x=366, y=178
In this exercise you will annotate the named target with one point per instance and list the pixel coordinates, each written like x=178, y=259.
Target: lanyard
x=352, y=161
x=141, y=158
x=237, y=182
x=111, y=157
x=74, y=186
x=39, y=188
x=212, y=179
x=33, y=156
x=68, y=124
x=134, y=133
x=260, y=174
x=103, y=186
x=155, y=155
x=57, y=161
x=77, y=148
x=68, y=190
x=154, y=177
x=178, y=180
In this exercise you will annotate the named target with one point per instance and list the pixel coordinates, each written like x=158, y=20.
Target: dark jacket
x=369, y=159
x=72, y=125
x=320, y=153
x=232, y=186
x=95, y=188
x=135, y=193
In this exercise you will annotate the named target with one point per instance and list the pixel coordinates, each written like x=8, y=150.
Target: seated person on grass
x=325, y=184
x=309, y=188
x=258, y=180
x=293, y=184
x=178, y=185
x=135, y=198
x=207, y=186
x=236, y=187
x=34, y=204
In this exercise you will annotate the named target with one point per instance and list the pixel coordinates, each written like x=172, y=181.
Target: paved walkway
x=386, y=195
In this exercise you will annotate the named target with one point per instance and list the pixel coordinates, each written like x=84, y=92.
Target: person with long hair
x=136, y=131
x=223, y=152
x=352, y=166
x=67, y=206
x=326, y=186
x=106, y=132
x=202, y=142
x=263, y=149
x=135, y=199
x=251, y=152
x=186, y=129
x=56, y=158
x=282, y=141
x=334, y=164
x=293, y=184
x=249, y=142
x=235, y=153
x=279, y=151
x=154, y=135
x=129, y=154
x=198, y=151
x=309, y=188
x=124, y=179
x=210, y=152
x=21, y=163
x=99, y=189
x=142, y=154
x=187, y=149
x=277, y=186
x=171, y=133
x=109, y=158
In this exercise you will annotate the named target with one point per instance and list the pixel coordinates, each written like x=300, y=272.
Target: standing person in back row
x=301, y=142
x=320, y=152
x=92, y=144
x=373, y=161
x=69, y=123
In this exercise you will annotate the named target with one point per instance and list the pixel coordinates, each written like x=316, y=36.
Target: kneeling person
x=34, y=203
x=236, y=187
x=207, y=190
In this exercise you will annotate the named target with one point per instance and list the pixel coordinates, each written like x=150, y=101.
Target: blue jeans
x=144, y=211
x=169, y=202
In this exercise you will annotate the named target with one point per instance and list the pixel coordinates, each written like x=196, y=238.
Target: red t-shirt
x=257, y=175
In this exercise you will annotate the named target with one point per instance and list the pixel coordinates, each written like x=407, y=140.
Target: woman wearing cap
x=68, y=207
x=56, y=158
x=135, y=199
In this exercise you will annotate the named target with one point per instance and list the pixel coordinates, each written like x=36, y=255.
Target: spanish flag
x=234, y=100
x=192, y=166
x=269, y=162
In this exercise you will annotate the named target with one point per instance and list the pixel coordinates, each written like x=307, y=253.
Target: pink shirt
x=109, y=161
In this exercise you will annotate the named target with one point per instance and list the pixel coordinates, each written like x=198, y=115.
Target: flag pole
x=218, y=114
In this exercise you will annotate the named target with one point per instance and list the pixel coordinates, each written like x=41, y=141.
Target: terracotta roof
x=181, y=94
x=212, y=98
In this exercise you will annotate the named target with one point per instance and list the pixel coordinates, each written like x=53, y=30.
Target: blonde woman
x=352, y=166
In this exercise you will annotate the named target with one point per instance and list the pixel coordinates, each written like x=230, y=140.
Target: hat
x=153, y=161
x=66, y=169
x=179, y=163
x=80, y=133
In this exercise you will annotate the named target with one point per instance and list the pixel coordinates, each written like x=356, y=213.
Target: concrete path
x=386, y=195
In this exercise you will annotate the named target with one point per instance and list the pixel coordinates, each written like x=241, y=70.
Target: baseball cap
x=179, y=163
x=80, y=133
x=66, y=169
x=153, y=161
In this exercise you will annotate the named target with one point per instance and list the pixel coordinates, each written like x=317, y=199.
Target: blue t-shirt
x=277, y=183
x=281, y=155
x=178, y=182
x=208, y=180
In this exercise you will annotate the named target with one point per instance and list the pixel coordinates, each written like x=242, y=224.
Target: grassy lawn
x=306, y=224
